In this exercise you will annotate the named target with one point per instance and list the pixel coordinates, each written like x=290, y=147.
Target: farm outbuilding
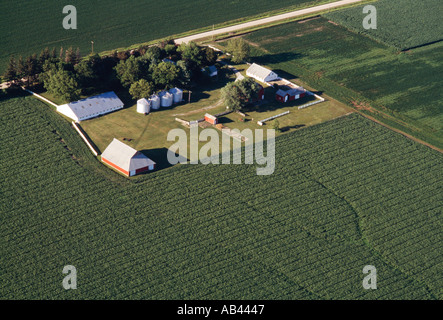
x=210, y=71
x=211, y=119
x=91, y=107
x=155, y=102
x=177, y=93
x=260, y=93
x=167, y=99
x=143, y=106
x=261, y=73
x=290, y=95
x=126, y=159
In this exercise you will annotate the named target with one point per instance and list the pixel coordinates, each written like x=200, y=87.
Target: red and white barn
x=211, y=119
x=126, y=159
x=290, y=95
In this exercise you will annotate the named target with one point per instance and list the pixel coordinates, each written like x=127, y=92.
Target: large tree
x=192, y=54
x=11, y=71
x=239, y=49
x=32, y=68
x=185, y=75
x=209, y=56
x=62, y=84
x=236, y=95
x=141, y=89
x=166, y=75
x=153, y=53
x=21, y=69
x=132, y=70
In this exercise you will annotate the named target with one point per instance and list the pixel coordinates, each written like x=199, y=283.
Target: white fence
x=85, y=139
x=41, y=98
x=262, y=122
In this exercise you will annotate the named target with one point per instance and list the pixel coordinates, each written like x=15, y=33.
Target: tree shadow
x=277, y=58
x=11, y=93
x=224, y=120
x=287, y=128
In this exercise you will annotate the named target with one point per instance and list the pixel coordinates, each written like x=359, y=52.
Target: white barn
x=261, y=73
x=91, y=107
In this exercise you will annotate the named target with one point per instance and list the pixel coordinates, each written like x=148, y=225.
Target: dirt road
x=255, y=23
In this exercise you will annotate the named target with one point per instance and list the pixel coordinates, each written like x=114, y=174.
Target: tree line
x=143, y=71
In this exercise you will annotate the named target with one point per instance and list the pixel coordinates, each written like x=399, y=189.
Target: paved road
x=255, y=23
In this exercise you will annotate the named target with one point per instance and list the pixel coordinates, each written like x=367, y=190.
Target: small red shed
x=211, y=119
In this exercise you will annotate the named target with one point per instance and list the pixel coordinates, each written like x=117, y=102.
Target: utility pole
x=92, y=44
x=189, y=99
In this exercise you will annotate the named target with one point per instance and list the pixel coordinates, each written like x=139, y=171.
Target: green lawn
x=28, y=27
x=360, y=71
x=345, y=194
x=149, y=132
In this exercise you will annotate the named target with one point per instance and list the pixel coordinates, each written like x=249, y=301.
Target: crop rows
x=401, y=23
x=217, y=232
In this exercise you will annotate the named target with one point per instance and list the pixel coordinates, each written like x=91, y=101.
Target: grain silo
x=178, y=94
x=143, y=106
x=167, y=99
x=155, y=102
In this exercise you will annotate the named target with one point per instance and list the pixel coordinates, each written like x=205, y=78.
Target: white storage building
x=91, y=107
x=167, y=99
x=143, y=106
x=261, y=73
x=155, y=102
x=177, y=93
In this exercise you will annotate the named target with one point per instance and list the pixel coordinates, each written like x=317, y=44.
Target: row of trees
x=164, y=67
x=26, y=70
x=141, y=71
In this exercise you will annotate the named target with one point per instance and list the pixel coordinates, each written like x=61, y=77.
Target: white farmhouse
x=261, y=73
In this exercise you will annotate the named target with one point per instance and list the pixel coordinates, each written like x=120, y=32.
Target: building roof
x=92, y=106
x=175, y=90
x=291, y=91
x=210, y=116
x=169, y=61
x=281, y=93
x=126, y=157
x=144, y=101
x=258, y=71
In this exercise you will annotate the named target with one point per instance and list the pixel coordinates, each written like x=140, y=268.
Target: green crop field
x=345, y=194
x=402, y=24
x=360, y=71
x=28, y=26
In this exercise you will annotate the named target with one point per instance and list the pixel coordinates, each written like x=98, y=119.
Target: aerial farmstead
x=126, y=160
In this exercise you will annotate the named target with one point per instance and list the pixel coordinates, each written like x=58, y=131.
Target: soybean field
x=28, y=26
x=364, y=73
x=345, y=194
x=402, y=24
